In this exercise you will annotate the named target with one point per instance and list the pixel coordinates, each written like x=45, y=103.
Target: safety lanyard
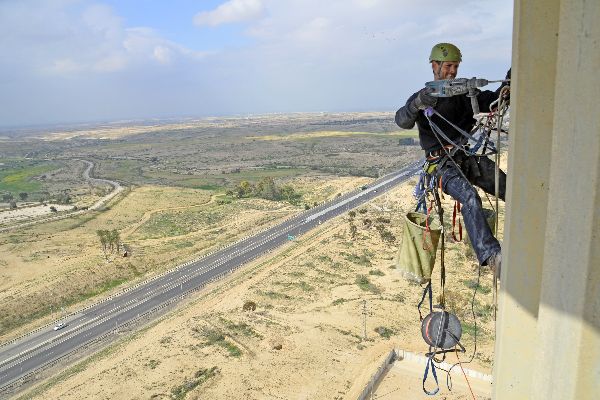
x=429, y=112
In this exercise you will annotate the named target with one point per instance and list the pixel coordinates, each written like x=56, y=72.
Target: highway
x=21, y=358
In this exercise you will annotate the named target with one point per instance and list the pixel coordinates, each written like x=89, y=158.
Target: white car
x=59, y=326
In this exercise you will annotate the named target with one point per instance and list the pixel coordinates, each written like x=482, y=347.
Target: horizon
x=74, y=125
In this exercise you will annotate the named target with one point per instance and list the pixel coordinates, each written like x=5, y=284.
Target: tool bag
x=416, y=255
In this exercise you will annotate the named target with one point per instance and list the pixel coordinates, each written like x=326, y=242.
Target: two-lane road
x=43, y=347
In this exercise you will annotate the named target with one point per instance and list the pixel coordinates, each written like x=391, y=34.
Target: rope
x=502, y=105
x=429, y=112
x=465, y=375
x=448, y=376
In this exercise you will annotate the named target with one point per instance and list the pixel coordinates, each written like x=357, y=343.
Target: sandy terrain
x=24, y=213
x=305, y=340
x=51, y=265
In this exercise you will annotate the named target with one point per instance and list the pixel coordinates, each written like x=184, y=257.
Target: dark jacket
x=456, y=109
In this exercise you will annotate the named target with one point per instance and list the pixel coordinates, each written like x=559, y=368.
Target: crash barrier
x=416, y=256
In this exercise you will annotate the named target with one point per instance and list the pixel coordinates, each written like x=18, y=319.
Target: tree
x=114, y=240
x=103, y=236
x=266, y=189
x=110, y=241
x=244, y=188
x=13, y=205
x=63, y=198
x=7, y=197
x=288, y=193
x=23, y=195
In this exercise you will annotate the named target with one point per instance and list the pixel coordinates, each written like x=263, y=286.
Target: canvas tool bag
x=416, y=255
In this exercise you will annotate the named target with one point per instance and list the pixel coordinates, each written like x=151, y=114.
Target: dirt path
x=38, y=211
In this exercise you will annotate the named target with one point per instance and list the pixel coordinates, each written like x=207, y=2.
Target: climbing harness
x=441, y=329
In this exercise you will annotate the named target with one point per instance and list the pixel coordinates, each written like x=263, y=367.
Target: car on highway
x=59, y=326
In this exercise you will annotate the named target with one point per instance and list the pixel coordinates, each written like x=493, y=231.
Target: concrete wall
x=548, y=336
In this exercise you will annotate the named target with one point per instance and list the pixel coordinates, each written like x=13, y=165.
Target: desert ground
x=175, y=206
x=306, y=338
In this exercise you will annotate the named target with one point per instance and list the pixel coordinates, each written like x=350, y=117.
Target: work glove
x=507, y=95
x=424, y=99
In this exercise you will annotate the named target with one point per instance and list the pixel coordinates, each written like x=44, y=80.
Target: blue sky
x=70, y=61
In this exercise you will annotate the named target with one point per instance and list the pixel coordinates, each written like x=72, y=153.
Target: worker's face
x=448, y=69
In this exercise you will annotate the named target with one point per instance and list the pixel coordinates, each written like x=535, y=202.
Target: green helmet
x=445, y=52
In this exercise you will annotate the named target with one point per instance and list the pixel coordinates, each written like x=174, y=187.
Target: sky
x=77, y=61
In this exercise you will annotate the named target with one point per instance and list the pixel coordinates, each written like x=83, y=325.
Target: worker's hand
x=506, y=91
x=424, y=99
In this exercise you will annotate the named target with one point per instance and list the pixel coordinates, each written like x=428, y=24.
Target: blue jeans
x=479, y=172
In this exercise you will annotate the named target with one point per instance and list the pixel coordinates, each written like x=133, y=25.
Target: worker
x=464, y=170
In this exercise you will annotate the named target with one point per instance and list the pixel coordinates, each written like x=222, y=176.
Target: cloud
x=231, y=11
x=79, y=60
x=63, y=38
x=162, y=54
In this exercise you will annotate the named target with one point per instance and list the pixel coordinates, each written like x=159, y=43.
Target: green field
x=17, y=176
x=221, y=181
x=176, y=223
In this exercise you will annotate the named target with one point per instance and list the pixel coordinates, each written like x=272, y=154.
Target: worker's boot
x=495, y=263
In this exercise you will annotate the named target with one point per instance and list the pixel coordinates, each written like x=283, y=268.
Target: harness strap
x=454, y=213
x=437, y=388
x=427, y=230
x=438, y=204
x=426, y=291
x=431, y=111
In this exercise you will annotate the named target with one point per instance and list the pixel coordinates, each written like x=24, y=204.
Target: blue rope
x=419, y=193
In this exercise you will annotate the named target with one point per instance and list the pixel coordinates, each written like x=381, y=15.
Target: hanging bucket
x=416, y=256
